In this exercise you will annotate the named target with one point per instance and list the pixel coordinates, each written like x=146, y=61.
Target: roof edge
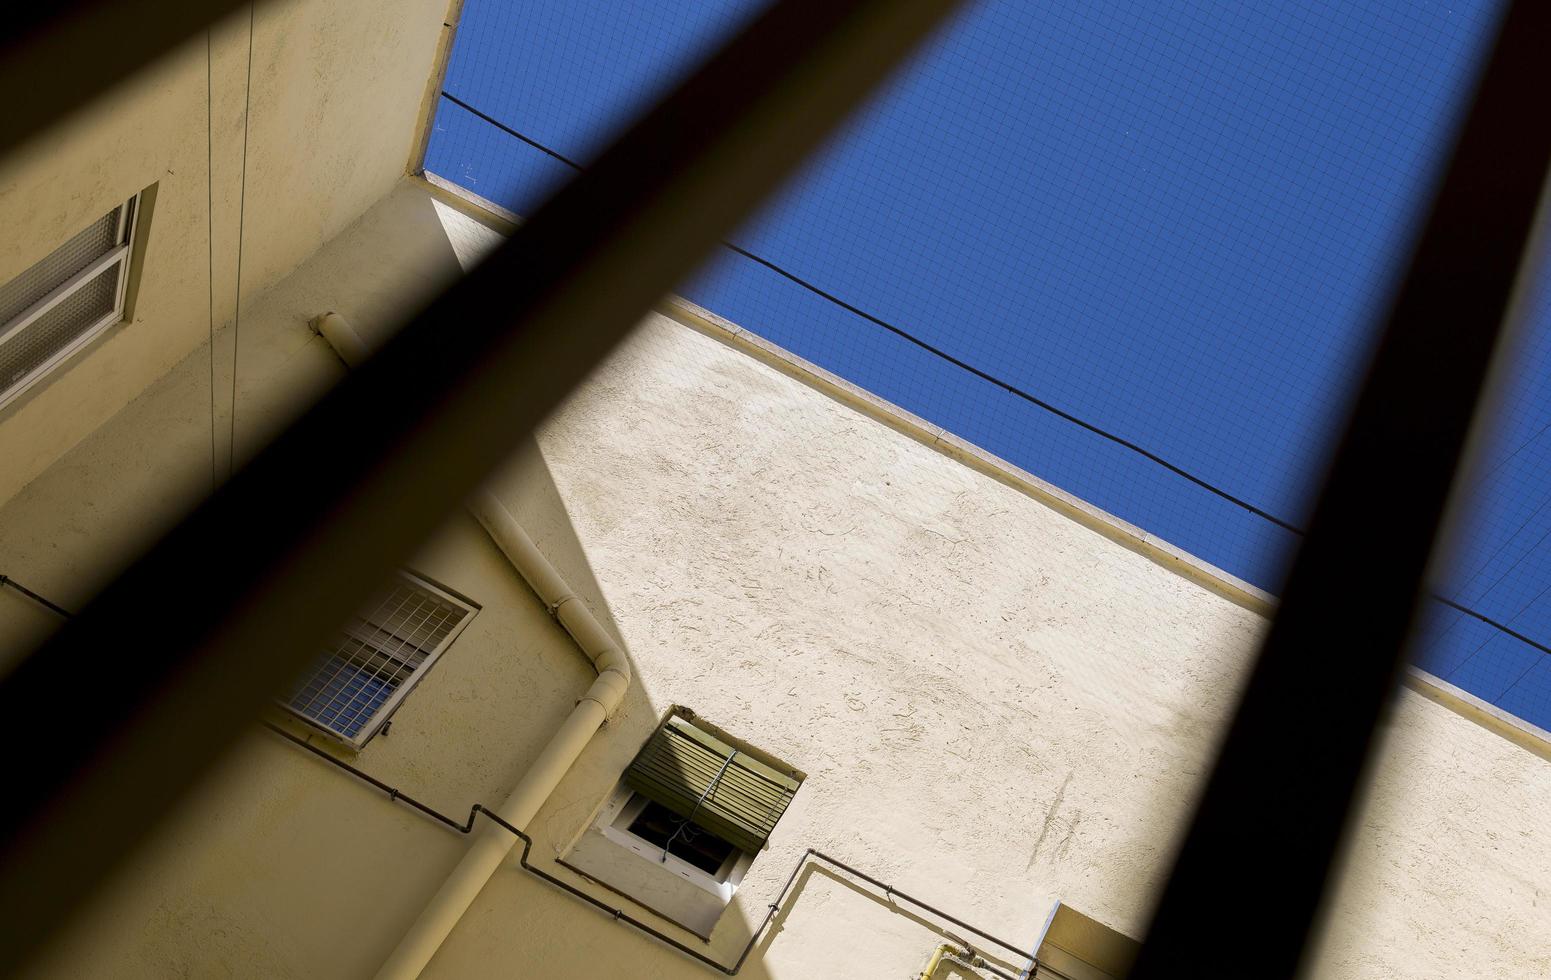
x=1127, y=535
x=1155, y=549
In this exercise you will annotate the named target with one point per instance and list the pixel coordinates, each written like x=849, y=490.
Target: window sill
x=673, y=889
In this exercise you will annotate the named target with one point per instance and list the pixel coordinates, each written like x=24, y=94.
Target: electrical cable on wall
x=242, y=207
x=811, y=855
x=619, y=915
x=215, y=477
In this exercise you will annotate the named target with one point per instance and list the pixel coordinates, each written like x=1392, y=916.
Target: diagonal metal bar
x=269, y=565
x=63, y=54
x=1251, y=873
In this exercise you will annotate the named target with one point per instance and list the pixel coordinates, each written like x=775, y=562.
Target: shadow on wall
x=108, y=498
x=71, y=528
x=212, y=891
x=527, y=488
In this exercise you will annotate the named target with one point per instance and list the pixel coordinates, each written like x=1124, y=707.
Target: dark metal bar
x=167, y=666
x=1249, y=878
x=63, y=54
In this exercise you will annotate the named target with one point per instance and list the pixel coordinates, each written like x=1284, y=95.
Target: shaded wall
x=275, y=160
x=996, y=706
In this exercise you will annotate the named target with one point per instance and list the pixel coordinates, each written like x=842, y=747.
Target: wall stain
x=1050, y=819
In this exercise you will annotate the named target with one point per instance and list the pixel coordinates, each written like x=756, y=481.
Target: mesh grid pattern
x=1174, y=223
x=24, y=353
x=62, y=263
x=348, y=687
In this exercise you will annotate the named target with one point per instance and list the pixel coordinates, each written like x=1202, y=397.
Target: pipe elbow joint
x=609, y=689
x=613, y=660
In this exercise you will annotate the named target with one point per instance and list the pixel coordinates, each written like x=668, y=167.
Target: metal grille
x=65, y=261
x=353, y=687
x=56, y=306
x=30, y=351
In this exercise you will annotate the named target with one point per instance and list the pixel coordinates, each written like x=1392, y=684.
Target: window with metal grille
x=355, y=686
x=55, y=307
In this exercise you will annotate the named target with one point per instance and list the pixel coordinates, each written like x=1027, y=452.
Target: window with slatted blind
x=689, y=815
x=702, y=779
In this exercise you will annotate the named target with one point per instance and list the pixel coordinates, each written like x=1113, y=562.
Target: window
x=686, y=821
x=661, y=827
x=354, y=687
x=1076, y=947
x=706, y=781
x=51, y=310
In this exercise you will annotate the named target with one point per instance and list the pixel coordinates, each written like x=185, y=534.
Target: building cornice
x=1127, y=535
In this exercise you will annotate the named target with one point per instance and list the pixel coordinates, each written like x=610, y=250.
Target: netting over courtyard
x=1139, y=251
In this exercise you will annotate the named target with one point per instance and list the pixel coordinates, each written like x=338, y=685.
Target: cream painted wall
x=219, y=893
x=331, y=119
x=996, y=706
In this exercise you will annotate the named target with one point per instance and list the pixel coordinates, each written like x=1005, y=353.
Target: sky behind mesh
x=1136, y=249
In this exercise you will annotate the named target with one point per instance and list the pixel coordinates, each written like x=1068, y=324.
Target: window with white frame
x=353, y=688
x=55, y=307
x=686, y=822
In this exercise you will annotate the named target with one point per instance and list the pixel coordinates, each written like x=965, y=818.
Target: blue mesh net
x=1136, y=249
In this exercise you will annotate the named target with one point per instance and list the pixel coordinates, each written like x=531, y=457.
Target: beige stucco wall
x=288, y=155
x=997, y=706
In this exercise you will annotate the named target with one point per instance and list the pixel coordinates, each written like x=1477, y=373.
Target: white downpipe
x=342, y=337
x=492, y=844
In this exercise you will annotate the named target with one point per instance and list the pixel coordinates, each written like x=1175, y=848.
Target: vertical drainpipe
x=492, y=845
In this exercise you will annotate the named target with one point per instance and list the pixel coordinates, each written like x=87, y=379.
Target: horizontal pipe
x=595, y=641
x=569, y=610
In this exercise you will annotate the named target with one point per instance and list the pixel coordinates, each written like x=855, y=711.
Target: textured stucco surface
x=289, y=157
x=996, y=706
